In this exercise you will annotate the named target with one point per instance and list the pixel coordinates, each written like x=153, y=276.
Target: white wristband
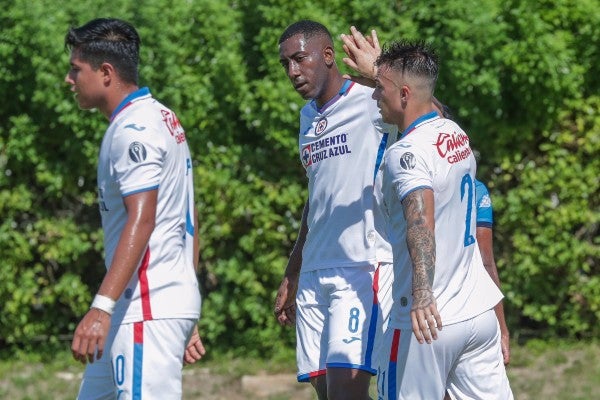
x=104, y=303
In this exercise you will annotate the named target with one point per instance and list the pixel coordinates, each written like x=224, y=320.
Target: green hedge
x=521, y=76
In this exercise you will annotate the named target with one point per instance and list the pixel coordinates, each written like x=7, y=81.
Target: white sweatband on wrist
x=104, y=303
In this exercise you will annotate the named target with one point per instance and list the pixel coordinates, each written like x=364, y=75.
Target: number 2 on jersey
x=467, y=187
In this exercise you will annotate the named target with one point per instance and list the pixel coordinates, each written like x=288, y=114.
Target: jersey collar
x=130, y=99
x=343, y=91
x=420, y=121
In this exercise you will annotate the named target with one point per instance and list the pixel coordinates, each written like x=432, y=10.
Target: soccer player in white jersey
x=336, y=287
x=443, y=332
x=485, y=239
x=134, y=336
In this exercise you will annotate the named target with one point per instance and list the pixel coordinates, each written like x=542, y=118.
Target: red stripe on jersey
x=395, y=344
x=144, y=287
x=138, y=332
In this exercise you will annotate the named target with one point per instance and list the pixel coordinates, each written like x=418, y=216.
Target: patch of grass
x=558, y=370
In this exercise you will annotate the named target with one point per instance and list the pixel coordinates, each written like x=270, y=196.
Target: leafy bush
x=522, y=78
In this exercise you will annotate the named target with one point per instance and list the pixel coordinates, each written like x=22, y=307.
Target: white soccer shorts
x=340, y=318
x=466, y=359
x=142, y=361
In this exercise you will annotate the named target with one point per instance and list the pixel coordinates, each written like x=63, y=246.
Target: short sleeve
x=409, y=169
x=485, y=216
x=137, y=159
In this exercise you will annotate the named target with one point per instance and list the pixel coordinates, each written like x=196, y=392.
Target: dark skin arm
x=486, y=247
x=418, y=209
x=90, y=334
x=285, y=302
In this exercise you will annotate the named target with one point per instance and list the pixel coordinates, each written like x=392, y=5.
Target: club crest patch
x=407, y=161
x=137, y=152
x=306, y=156
x=321, y=126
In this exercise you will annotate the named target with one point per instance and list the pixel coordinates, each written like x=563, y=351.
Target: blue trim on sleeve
x=485, y=224
x=140, y=191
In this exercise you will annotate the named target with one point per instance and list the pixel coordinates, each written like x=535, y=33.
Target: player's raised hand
x=426, y=320
x=195, y=348
x=90, y=336
x=362, y=52
x=285, y=302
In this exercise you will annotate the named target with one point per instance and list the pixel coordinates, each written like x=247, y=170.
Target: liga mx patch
x=306, y=156
x=407, y=161
x=137, y=152
x=321, y=126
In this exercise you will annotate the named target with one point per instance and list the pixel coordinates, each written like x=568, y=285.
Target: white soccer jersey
x=341, y=145
x=434, y=153
x=145, y=148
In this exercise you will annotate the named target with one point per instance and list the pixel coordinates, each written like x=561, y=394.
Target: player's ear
x=329, y=56
x=404, y=93
x=108, y=71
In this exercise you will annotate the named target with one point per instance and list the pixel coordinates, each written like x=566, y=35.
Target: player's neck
x=413, y=113
x=116, y=97
x=335, y=83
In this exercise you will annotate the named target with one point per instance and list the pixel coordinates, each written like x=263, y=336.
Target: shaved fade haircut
x=308, y=29
x=415, y=59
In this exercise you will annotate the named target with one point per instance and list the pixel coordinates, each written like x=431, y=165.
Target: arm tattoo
x=420, y=238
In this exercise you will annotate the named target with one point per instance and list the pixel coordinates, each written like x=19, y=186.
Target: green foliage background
x=522, y=77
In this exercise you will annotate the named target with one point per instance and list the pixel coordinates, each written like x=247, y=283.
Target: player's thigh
x=353, y=316
x=479, y=372
x=148, y=358
x=311, y=321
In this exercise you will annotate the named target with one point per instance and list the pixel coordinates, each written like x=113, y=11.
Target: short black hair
x=414, y=58
x=307, y=28
x=107, y=40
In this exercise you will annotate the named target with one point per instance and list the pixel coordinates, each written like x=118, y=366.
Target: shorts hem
x=353, y=366
x=306, y=377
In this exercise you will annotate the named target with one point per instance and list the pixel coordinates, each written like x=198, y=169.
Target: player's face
x=305, y=63
x=388, y=95
x=86, y=83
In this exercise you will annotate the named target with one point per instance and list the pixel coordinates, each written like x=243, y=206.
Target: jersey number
x=353, y=321
x=120, y=370
x=467, y=187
